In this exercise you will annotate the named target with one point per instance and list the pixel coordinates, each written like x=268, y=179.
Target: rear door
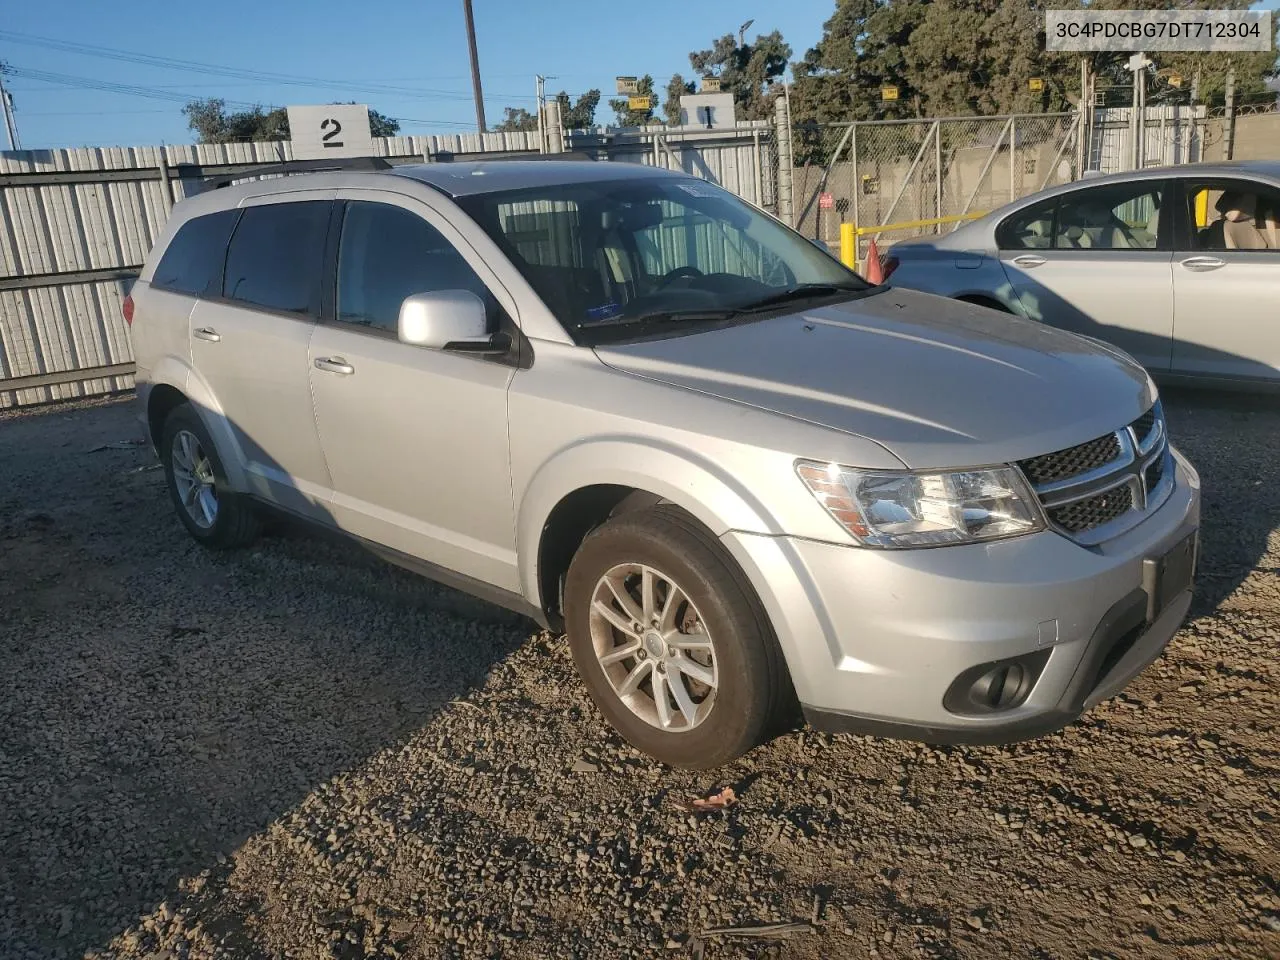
x=250, y=346
x=1226, y=280
x=1097, y=261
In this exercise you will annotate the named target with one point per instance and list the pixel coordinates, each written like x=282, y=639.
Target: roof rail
x=297, y=166
x=446, y=156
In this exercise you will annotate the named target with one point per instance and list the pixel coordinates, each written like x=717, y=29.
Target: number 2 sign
x=330, y=130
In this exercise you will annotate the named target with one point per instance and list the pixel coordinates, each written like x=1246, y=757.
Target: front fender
x=716, y=498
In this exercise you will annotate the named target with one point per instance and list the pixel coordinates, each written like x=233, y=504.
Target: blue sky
x=418, y=47
x=407, y=59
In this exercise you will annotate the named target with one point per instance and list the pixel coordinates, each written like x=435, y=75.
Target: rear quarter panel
x=955, y=274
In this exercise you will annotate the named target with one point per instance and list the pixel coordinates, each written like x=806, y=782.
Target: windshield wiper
x=804, y=291
x=666, y=316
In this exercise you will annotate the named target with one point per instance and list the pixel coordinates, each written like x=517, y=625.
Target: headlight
x=883, y=509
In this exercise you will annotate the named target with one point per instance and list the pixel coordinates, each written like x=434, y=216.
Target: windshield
x=653, y=252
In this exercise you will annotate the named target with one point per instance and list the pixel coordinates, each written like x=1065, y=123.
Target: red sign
x=826, y=201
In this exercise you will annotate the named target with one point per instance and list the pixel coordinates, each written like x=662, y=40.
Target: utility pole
x=540, y=80
x=10, y=122
x=475, y=66
x=1231, y=111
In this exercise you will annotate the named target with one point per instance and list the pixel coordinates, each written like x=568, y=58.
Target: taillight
x=128, y=310
x=890, y=264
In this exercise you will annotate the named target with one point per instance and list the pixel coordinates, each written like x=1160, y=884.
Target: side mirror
x=453, y=320
x=821, y=245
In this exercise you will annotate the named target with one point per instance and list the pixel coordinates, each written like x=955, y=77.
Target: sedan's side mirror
x=821, y=245
x=448, y=320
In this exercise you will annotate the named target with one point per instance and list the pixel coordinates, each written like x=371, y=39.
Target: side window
x=388, y=253
x=1121, y=217
x=1233, y=215
x=192, y=263
x=1029, y=229
x=277, y=254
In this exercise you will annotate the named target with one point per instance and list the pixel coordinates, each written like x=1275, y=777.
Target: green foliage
x=209, y=120
x=581, y=115
x=751, y=72
x=517, y=120
x=625, y=116
x=975, y=57
x=677, y=87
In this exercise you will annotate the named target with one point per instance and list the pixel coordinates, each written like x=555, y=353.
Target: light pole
x=742, y=32
x=475, y=65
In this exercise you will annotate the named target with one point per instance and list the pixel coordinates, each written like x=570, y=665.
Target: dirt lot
x=298, y=751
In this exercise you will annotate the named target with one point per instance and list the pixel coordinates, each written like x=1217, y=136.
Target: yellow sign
x=1175, y=80
x=1036, y=83
x=628, y=85
x=888, y=93
x=639, y=103
x=710, y=84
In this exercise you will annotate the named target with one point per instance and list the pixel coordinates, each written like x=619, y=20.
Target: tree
x=750, y=72
x=677, y=87
x=582, y=114
x=212, y=124
x=517, y=120
x=627, y=117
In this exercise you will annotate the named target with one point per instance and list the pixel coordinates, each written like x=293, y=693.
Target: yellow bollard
x=849, y=245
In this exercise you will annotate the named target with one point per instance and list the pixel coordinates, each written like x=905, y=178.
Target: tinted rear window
x=276, y=256
x=193, y=261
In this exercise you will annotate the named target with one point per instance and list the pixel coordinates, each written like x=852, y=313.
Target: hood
x=938, y=382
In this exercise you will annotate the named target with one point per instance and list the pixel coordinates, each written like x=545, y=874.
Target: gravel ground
x=298, y=751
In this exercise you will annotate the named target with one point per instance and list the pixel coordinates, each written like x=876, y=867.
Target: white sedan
x=1179, y=266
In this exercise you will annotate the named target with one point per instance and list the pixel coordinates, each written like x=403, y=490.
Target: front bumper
x=876, y=639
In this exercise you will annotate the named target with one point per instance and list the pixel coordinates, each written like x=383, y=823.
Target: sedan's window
x=1120, y=217
x=1030, y=229
x=192, y=263
x=1233, y=215
x=388, y=253
x=276, y=256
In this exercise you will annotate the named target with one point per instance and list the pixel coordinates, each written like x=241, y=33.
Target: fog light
x=995, y=686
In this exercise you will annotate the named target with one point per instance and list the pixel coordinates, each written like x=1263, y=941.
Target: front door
x=1096, y=261
x=250, y=347
x=1226, y=276
x=415, y=439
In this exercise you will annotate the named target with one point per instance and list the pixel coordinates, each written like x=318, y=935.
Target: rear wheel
x=198, y=487
x=672, y=645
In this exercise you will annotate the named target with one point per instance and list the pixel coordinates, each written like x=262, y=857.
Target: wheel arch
x=173, y=383
x=558, y=509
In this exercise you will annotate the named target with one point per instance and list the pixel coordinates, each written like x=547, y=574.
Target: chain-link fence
x=899, y=179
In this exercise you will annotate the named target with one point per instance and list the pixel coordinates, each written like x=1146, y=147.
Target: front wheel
x=671, y=643
x=198, y=485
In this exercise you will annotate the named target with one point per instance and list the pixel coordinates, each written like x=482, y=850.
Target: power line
x=238, y=73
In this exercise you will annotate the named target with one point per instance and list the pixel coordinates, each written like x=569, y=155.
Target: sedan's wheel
x=670, y=641
x=207, y=507
x=653, y=646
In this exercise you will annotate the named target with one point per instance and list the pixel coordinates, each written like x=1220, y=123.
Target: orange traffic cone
x=875, y=271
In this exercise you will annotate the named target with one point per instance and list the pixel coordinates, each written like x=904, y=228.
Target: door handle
x=206, y=333
x=335, y=365
x=1029, y=260
x=1201, y=264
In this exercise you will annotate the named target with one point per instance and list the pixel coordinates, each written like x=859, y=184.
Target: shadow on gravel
x=1240, y=482
x=160, y=703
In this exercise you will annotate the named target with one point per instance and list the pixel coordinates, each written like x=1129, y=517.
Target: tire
x=715, y=621
x=184, y=442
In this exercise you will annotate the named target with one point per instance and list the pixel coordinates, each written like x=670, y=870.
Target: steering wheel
x=677, y=273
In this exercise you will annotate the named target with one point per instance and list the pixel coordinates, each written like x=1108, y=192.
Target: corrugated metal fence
x=76, y=226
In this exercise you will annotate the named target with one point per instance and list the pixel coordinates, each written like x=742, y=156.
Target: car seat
x=1243, y=228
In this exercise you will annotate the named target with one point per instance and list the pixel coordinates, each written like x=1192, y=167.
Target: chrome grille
x=1081, y=515
x=1098, y=489
x=1072, y=461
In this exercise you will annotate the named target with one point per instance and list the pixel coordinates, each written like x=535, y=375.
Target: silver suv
x=634, y=407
